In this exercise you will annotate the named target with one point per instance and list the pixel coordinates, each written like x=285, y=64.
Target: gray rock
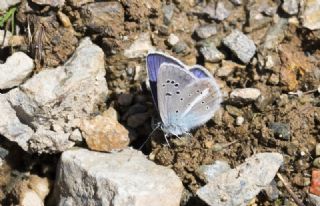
x=180, y=47
x=316, y=162
x=51, y=103
x=140, y=47
x=5, y=4
x=211, y=53
x=272, y=191
x=314, y=199
x=246, y=94
x=240, y=45
x=238, y=186
x=16, y=69
x=310, y=15
x=4, y=38
x=206, y=31
x=53, y=3
x=123, y=178
x=214, y=170
x=236, y=2
x=291, y=7
x=217, y=11
x=46, y=141
x=280, y=130
x=168, y=10
x=275, y=34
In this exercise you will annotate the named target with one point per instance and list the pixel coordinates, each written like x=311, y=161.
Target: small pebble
x=243, y=47
x=249, y=94
x=316, y=162
x=168, y=10
x=172, y=40
x=272, y=191
x=318, y=149
x=291, y=7
x=239, y=121
x=206, y=31
x=180, y=47
x=280, y=130
x=216, y=11
x=236, y=2
x=211, y=53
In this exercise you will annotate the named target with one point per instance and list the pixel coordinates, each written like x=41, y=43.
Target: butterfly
x=185, y=97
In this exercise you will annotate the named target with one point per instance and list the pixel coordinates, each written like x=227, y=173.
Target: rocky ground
x=74, y=97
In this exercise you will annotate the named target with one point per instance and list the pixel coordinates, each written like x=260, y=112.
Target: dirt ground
x=280, y=121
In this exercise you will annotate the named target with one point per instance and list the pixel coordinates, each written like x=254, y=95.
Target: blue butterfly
x=186, y=97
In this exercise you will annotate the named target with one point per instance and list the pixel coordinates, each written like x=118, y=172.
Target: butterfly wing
x=184, y=100
x=200, y=72
x=172, y=79
x=203, y=100
x=154, y=61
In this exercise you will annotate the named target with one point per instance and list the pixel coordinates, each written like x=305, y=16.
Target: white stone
x=249, y=94
x=16, y=69
x=173, y=40
x=5, y=4
x=124, y=178
x=239, y=120
x=55, y=98
x=140, y=47
x=290, y=6
x=31, y=198
x=240, y=185
x=311, y=14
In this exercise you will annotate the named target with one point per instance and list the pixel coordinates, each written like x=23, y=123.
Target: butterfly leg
x=165, y=137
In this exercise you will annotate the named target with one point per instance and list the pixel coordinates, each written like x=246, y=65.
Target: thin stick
x=293, y=195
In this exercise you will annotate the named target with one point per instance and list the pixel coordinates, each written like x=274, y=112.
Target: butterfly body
x=185, y=97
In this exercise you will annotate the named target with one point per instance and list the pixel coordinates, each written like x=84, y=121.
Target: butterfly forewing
x=172, y=80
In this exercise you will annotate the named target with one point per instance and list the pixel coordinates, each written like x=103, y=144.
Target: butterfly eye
x=178, y=92
x=168, y=81
x=172, y=82
x=163, y=85
x=176, y=85
x=202, y=102
x=168, y=94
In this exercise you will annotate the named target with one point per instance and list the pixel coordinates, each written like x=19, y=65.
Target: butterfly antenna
x=157, y=127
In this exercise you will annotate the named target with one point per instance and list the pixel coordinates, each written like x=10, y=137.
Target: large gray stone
x=16, y=69
x=240, y=185
x=43, y=112
x=120, y=179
